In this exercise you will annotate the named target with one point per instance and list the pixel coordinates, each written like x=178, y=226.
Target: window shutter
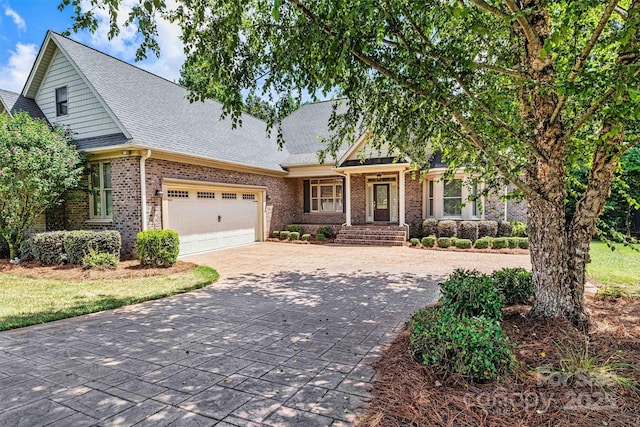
x=344, y=194
x=307, y=196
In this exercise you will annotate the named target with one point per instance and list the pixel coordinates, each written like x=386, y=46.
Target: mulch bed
x=406, y=393
x=129, y=269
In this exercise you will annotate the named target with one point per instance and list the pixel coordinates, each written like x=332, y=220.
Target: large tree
x=525, y=88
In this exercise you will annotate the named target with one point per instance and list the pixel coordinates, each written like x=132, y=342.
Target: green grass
x=25, y=301
x=615, y=269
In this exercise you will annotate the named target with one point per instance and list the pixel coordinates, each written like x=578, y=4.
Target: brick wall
x=413, y=204
x=494, y=208
x=297, y=207
x=358, y=199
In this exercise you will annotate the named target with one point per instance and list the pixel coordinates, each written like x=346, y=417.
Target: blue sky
x=24, y=24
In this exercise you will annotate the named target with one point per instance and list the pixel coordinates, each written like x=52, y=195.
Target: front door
x=381, y=210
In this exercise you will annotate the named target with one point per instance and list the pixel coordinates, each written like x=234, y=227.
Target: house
x=159, y=161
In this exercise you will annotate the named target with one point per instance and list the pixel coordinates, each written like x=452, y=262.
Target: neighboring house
x=216, y=186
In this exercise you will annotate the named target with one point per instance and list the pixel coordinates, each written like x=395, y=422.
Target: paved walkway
x=286, y=337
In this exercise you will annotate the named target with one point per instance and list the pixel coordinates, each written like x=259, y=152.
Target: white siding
x=372, y=153
x=86, y=117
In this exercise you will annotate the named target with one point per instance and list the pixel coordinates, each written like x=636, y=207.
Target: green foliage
x=468, y=230
x=609, y=293
x=26, y=249
x=444, y=242
x=504, y=229
x=463, y=243
x=515, y=285
x=295, y=228
x=294, y=235
x=430, y=227
x=48, y=248
x=102, y=260
x=429, y=241
x=468, y=293
x=305, y=237
x=414, y=241
x=487, y=228
x=276, y=233
x=519, y=228
x=284, y=235
x=157, y=248
x=37, y=166
x=447, y=228
x=320, y=237
x=513, y=242
x=4, y=248
x=327, y=230
x=79, y=243
x=500, y=243
x=523, y=242
x=482, y=243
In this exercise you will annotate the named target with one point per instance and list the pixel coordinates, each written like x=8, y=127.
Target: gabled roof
x=14, y=103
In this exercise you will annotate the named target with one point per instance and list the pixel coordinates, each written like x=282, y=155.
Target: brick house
x=159, y=161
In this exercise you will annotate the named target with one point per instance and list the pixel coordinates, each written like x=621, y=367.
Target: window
x=100, y=199
x=248, y=197
x=178, y=194
x=229, y=196
x=430, y=202
x=206, y=195
x=61, y=101
x=452, y=198
x=326, y=195
x=474, y=200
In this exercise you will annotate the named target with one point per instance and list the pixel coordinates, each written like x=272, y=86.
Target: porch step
x=386, y=235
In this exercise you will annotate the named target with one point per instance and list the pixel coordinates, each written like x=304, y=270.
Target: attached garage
x=210, y=216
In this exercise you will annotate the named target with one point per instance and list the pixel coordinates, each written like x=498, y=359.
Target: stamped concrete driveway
x=286, y=337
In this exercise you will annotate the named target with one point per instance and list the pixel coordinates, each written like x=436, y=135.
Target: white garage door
x=209, y=219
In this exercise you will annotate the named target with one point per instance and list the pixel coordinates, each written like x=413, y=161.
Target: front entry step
x=371, y=235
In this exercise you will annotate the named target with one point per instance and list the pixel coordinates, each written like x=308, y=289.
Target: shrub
x=515, y=285
x=429, y=241
x=26, y=249
x=444, y=242
x=99, y=260
x=4, y=248
x=276, y=233
x=326, y=230
x=284, y=235
x=48, y=248
x=463, y=243
x=158, y=248
x=447, y=228
x=305, y=237
x=294, y=235
x=482, y=243
x=468, y=293
x=473, y=347
x=430, y=227
x=504, y=229
x=79, y=243
x=500, y=243
x=320, y=237
x=487, y=228
x=295, y=228
x=513, y=242
x=518, y=228
x=468, y=230
x=523, y=242
x=414, y=241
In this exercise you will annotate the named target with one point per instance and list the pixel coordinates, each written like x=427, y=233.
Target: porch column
x=401, y=196
x=347, y=198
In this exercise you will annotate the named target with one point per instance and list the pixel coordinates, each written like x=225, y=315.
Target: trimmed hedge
x=79, y=243
x=26, y=250
x=429, y=241
x=48, y=248
x=284, y=235
x=469, y=293
x=295, y=228
x=500, y=243
x=487, y=228
x=294, y=235
x=305, y=237
x=276, y=233
x=468, y=230
x=326, y=230
x=519, y=229
x=447, y=228
x=463, y=243
x=515, y=284
x=513, y=242
x=414, y=241
x=482, y=243
x=320, y=237
x=444, y=242
x=523, y=242
x=504, y=229
x=430, y=227
x=158, y=248
x=99, y=260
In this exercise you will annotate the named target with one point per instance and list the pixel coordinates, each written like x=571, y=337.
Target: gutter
x=143, y=189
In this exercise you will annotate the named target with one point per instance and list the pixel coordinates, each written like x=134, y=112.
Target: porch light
x=159, y=193
x=379, y=176
x=126, y=152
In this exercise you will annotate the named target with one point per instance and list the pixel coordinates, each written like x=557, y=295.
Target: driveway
x=286, y=337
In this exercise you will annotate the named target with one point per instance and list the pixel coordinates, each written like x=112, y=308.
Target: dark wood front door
x=381, y=202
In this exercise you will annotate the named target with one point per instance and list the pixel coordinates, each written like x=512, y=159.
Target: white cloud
x=13, y=75
x=17, y=19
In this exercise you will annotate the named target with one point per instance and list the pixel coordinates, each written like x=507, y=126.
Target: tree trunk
x=13, y=250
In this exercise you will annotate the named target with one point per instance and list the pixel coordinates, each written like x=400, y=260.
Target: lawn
x=619, y=268
x=26, y=301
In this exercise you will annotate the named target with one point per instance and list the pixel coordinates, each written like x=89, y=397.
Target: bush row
x=296, y=232
x=56, y=247
x=471, y=230
x=482, y=243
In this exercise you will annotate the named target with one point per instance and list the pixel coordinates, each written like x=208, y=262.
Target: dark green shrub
x=99, y=260
x=4, y=248
x=487, y=228
x=518, y=228
x=48, y=248
x=295, y=228
x=474, y=347
x=447, y=228
x=515, y=285
x=430, y=227
x=26, y=249
x=294, y=235
x=276, y=233
x=429, y=241
x=463, y=243
x=469, y=293
x=327, y=230
x=79, y=243
x=305, y=237
x=414, y=241
x=468, y=230
x=500, y=243
x=158, y=248
x=504, y=229
x=453, y=241
x=513, y=242
x=482, y=243
x=320, y=237
x=523, y=242
x=444, y=242
x=284, y=235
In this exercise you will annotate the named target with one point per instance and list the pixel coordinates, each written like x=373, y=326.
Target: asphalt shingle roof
x=16, y=103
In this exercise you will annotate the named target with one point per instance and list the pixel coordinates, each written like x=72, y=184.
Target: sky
x=24, y=24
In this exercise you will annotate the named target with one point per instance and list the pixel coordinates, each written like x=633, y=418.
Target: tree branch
x=590, y=112
x=524, y=24
x=506, y=71
x=484, y=6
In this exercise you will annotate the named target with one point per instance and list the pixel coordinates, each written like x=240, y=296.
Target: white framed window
x=61, y=101
x=100, y=196
x=326, y=195
x=452, y=198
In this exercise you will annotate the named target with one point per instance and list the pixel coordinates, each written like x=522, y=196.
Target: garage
x=210, y=217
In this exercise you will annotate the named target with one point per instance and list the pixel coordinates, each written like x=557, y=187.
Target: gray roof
x=15, y=103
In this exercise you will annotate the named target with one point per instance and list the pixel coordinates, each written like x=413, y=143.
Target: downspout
x=143, y=189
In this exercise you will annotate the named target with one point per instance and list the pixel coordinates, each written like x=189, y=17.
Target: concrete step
x=384, y=235
x=363, y=242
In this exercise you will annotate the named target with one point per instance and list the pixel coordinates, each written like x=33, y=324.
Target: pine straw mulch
x=406, y=393
x=128, y=269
